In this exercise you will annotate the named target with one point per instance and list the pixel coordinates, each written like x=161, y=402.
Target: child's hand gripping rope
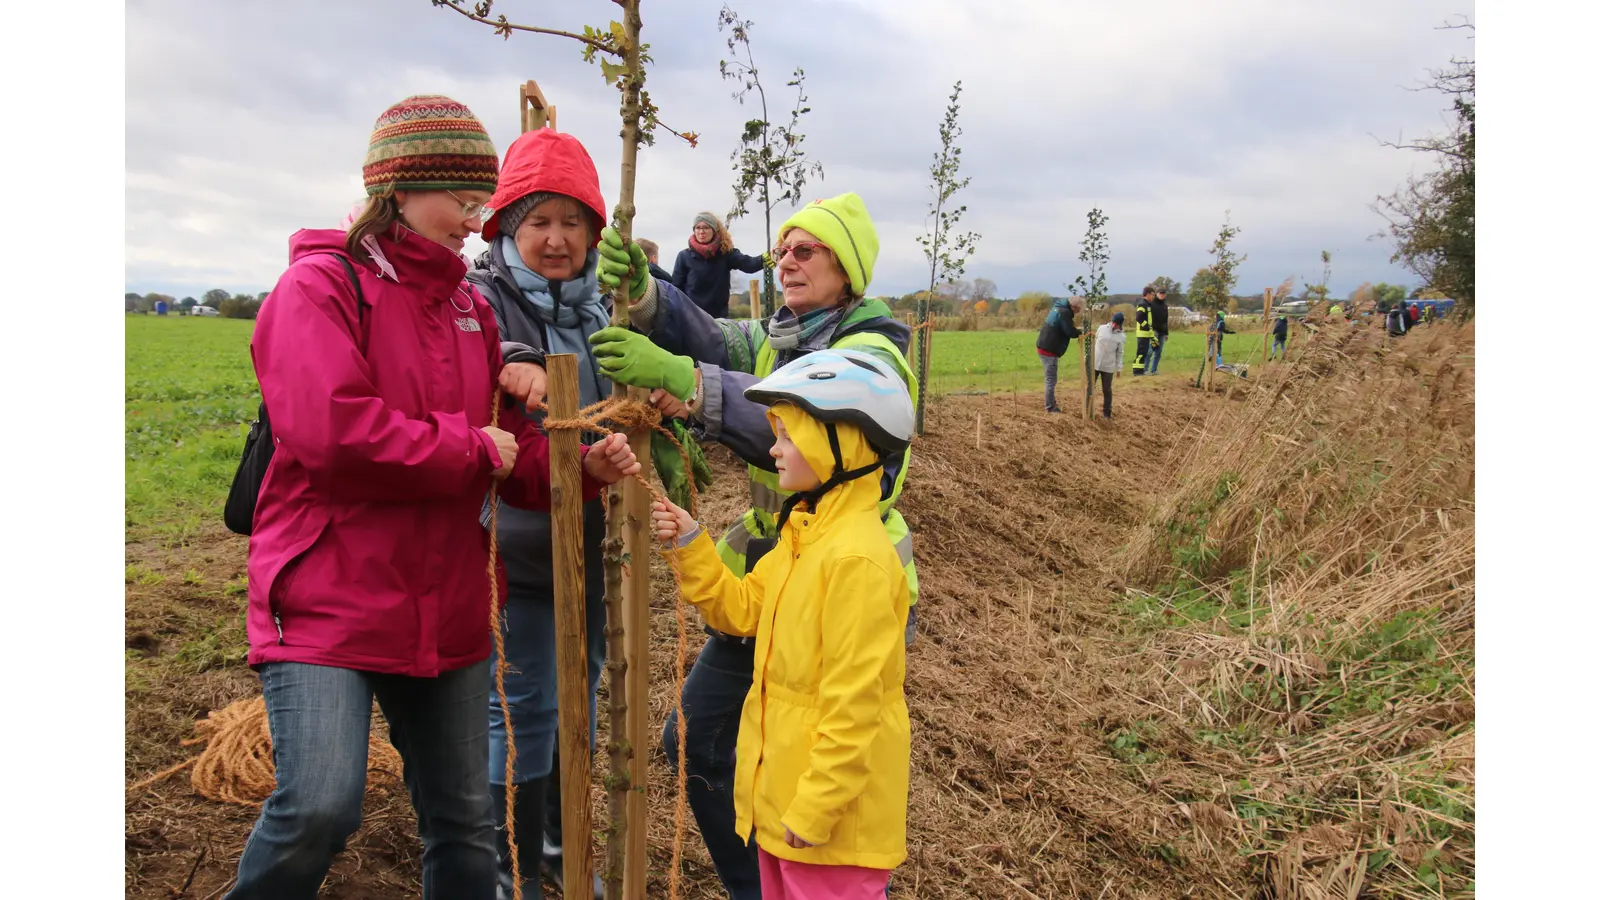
x=671, y=521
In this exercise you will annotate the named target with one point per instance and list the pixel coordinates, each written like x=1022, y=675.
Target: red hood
x=546, y=160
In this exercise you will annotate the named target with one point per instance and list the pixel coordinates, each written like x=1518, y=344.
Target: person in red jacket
x=368, y=565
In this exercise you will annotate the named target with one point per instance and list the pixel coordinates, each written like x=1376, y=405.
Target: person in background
x=368, y=566
x=1055, y=335
x=702, y=267
x=652, y=252
x=1142, y=330
x=1158, y=325
x=1219, y=327
x=1280, y=337
x=1395, y=321
x=1108, y=343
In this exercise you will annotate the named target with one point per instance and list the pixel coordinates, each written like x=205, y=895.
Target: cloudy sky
x=247, y=121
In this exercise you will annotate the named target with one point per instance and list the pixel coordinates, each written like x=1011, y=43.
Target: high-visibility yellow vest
x=760, y=521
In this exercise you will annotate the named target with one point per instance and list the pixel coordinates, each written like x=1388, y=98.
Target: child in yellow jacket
x=824, y=751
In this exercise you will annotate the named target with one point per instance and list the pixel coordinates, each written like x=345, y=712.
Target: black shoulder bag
x=239, y=511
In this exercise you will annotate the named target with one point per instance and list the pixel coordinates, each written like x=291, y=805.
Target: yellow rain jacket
x=825, y=740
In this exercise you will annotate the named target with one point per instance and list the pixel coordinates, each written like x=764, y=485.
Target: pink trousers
x=783, y=879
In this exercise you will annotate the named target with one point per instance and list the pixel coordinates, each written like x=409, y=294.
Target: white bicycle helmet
x=845, y=386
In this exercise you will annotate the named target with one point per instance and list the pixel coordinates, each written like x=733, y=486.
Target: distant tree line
x=229, y=306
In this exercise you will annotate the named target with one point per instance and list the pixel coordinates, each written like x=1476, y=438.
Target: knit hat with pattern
x=430, y=143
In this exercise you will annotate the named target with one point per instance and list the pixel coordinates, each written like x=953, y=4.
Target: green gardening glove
x=628, y=357
x=669, y=463
x=615, y=260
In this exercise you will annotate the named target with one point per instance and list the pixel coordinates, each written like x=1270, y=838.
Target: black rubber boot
x=529, y=819
x=552, y=833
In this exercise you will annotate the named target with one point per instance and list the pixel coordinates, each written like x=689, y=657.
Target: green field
x=1003, y=361
x=191, y=393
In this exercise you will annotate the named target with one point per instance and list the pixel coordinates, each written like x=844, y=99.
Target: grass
x=191, y=393
x=1001, y=361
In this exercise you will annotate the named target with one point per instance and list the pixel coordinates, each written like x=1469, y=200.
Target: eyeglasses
x=802, y=251
x=479, y=211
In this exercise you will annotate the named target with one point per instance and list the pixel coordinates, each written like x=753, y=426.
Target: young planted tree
x=946, y=250
x=1215, y=291
x=1092, y=288
x=1212, y=287
x=771, y=167
x=1318, y=293
x=622, y=58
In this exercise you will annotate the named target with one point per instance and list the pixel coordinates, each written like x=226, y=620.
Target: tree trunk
x=626, y=542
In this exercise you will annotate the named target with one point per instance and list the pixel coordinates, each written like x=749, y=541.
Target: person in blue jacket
x=702, y=267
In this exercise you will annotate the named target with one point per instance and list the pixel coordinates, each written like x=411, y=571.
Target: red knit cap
x=430, y=143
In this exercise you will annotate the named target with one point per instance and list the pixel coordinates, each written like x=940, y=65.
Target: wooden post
x=755, y=298
x=636, y=621
x=924, y=331
x=1087, y=346
x=1266, y=325
x=572, y=665
x=533, y=111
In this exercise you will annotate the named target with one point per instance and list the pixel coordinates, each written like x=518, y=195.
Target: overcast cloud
x=247, y=121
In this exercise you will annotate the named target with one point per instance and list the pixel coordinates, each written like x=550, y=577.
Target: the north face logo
x=467, y=323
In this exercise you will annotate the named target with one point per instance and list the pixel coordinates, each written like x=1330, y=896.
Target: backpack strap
x=361, y=302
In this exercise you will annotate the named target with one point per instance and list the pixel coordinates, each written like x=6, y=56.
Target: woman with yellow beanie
x=700, y=367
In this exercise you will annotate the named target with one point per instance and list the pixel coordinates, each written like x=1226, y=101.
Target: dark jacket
x=660, y=274
x=706, y=280
x=1057, y=331
x=1280, y=328
x=524, y=534
x=1158, y=318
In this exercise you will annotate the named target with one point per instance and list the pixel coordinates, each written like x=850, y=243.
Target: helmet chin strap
x=840, y=475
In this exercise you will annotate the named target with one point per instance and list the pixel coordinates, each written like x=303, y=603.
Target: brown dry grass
x=1029, y=662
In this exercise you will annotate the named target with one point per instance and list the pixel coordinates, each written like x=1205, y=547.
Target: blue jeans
x=713, y=698
x=320, y=718
x=1155, y=354
x=529, y=626
x=530, y=636
x=1277, y=347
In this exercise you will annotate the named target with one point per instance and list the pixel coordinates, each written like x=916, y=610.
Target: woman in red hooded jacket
x=368, y=563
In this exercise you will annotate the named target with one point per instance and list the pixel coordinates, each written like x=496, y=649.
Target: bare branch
x=504, y=28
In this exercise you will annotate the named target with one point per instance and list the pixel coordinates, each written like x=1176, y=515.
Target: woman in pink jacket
x=368, y=563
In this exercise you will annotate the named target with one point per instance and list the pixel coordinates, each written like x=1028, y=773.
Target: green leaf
x=612, y=71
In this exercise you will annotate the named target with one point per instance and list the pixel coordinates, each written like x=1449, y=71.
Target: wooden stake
x=1266, y=325
x=1086, y=344
x=572, y=665
x=636, y=622
x=755, y=298
x=534, y=112
x=979, y=431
